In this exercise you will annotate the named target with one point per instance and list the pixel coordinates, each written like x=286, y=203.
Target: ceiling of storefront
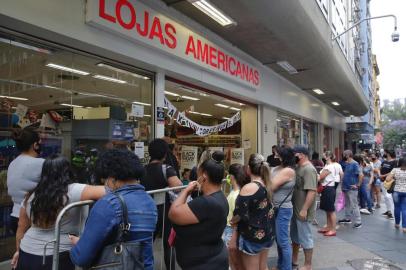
x=302, y=39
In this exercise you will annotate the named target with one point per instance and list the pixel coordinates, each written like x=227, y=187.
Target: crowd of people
x=201, y=228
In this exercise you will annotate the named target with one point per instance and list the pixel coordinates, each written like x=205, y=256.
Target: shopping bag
x=340, y=202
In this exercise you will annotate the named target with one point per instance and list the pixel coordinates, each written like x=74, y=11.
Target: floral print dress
x=255, y=214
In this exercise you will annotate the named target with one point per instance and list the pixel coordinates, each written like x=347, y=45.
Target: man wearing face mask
x=387, y=166
x=273, y=160
x=351, y=182
x=304, y=207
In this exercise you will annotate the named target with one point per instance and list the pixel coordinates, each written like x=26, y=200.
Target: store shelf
x=212, y=140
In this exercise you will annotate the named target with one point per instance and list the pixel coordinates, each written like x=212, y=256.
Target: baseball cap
x=301, y=149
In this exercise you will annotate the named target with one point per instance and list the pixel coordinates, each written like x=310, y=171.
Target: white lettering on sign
x=137, y=22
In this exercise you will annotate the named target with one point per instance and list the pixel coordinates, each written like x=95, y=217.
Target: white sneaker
x=364, y=211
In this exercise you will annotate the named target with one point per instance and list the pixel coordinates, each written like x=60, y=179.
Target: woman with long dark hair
x=283, y=181
x=252, y=216
x=40, y=209
x=24, y=172
x=200, y=223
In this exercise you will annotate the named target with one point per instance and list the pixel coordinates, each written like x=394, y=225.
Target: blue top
x=351, y=174
x=106, y=215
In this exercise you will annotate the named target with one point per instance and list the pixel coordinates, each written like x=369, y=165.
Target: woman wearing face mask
x=200, y=223
x=251, y=215
x=24, y=172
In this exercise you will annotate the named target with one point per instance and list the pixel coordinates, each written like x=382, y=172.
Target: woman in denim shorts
x=252, y=216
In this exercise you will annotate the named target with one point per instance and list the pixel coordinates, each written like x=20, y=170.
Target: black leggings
x=28, y=261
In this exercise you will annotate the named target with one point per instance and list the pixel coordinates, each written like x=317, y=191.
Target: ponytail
x=265, y=173
x=259, y=167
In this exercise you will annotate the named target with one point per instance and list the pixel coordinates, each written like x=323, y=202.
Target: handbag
x=389, y=185
x=121, y=255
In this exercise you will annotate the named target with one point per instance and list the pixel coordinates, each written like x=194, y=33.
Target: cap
x=301, y=149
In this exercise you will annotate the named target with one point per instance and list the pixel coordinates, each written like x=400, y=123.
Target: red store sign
x=137, y=22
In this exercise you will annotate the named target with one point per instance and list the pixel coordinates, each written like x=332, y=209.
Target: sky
x=391, y=56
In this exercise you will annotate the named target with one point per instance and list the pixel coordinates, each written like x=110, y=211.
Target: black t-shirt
x=272, y=161
x=154, y=177
x=199, y=246
x=387, y=166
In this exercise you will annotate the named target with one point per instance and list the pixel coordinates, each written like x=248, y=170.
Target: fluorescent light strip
x=222, y=105
x=147, y=115
x=235, y=109
x=315, y=105
x=205, y=114
x=122, y=71
x=110, y=79
x=318, y=91
x=25, y=46
x=16, y=98
x=141, y=103
x=225, y=118
x=60, y=67
x=213, y=12
x=288, y=67
x=171, y=94
x=335, y=103
x=190, y=98
x=71, y=105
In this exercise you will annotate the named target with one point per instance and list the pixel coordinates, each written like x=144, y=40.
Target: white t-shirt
x=23, y=175
x=400, y=177
x=35, y=238
x=334, y=175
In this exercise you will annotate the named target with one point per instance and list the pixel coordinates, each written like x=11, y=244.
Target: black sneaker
x=344, y=221
x=386, y=213
x=357, y=226
x=390, y=216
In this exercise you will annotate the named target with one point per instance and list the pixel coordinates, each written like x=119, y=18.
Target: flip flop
x=330, y=233
x=322, y=231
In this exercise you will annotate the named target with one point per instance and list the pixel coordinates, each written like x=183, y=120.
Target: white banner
x=237, y=156
x=188, y=157
x=200, y=130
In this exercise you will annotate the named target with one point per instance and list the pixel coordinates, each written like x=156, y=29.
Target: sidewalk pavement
x=375, y=246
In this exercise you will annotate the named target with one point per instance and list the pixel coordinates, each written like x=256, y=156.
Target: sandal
x=324, y=230
x=330, y=233
x=295, y=266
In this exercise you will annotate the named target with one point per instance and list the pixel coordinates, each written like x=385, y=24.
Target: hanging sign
x=160, y=114
x=200, y=130
x=237, y=156
x=188, y=157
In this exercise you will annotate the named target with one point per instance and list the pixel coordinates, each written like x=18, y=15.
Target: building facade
x=97, y=74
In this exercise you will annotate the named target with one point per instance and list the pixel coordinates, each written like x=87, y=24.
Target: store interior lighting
x=225, y=118
x=318, y=91
x=335, y=103
x=68, y=69
x=15, y=98
x=141, y=103
x=147, y=115
x=288, y=67
x=171, y=94
x=190, y=98
x=110, y=79
x=235, y=109
x=122, y=71
x=71, y=105
x=24, y=46
x=315, y=105
x=222, y=105
x=213, y=12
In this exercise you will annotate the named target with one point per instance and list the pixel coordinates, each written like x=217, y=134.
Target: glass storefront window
x=288, y=132
x=81, y=105
x=328, y=138
x=310, y=135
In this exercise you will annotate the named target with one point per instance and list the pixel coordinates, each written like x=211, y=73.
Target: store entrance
x=229, y=125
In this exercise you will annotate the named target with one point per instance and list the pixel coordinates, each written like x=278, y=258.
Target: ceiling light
x=288, y=67
x=222, y=105
x=147, y=115
x=278, y=120
x=203, y=94
x=110, y=79
x=16, y=98
x=194, y=112
x=171, y=94
x=190, y=98
x=225, y=118
x=234, y=109
x=335, y=103
x=205, y=114
x=71, y=105
x=318, y=91
x=213, y=12
x=141, y=103
x=25, y=46
x=76, y=71
x=233, y=102
x=122, y=71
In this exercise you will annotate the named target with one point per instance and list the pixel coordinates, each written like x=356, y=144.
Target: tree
x=394, y=124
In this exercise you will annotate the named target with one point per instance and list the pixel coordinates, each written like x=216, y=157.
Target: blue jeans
x=281, y=228
x=399, y=198
x=365, y=195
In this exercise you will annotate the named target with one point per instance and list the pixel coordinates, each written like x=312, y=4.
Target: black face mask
x=297, y=159
x=385, y=156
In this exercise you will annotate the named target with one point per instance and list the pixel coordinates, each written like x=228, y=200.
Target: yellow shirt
x=231, y=204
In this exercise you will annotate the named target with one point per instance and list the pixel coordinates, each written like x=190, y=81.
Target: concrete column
x=159, y=102
x=268, y=129
x=249, y=130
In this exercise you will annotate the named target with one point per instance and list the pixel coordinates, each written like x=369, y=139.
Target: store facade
x=95, y=74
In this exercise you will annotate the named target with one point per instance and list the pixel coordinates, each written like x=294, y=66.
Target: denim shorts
x=252, y=248
x=301, y=233
x=378, y=182
x=228, y=232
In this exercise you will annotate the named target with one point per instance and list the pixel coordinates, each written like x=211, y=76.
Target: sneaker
x=390, y=216
x=357, y=226
x=386, y=213
x=371, y=210
x=378, y=206
x=344, y=221
x=364, y=211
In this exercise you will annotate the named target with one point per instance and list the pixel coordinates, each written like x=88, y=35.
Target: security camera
x=395, y=36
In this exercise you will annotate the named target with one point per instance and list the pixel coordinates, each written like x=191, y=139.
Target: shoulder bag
x=121, y=255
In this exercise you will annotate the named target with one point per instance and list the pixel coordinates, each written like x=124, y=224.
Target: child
x=186, y=176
